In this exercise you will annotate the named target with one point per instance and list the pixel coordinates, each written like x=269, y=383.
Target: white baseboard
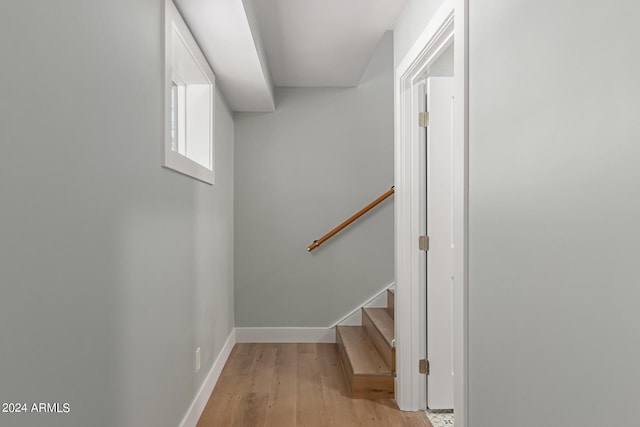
x=285, y=335
x=200, y=401
x=354, y=317
x=310, y=335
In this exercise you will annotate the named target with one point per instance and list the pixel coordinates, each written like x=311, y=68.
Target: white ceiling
x=323, y=42
x=253, y=45
x=227, y=34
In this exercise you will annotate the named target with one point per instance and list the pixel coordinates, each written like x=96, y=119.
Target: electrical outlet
x=198, y=359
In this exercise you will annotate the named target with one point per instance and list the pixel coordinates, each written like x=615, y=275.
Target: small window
x=189, y=100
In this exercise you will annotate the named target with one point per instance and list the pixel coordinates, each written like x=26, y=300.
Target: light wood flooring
x=294, y=385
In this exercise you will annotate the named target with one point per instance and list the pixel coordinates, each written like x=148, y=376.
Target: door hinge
x=423, y=243
x=423, y=119
x=423, y=367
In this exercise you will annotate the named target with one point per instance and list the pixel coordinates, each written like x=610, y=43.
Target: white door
x=439, y=91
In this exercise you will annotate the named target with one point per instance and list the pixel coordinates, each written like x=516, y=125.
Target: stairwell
x=367, y=353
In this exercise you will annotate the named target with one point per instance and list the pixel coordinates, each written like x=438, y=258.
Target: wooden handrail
x=342, y=226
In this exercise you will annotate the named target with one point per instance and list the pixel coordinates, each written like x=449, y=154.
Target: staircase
x=368, y=353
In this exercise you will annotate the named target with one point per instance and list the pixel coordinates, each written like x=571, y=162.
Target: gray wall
x=412, y=21
x=554, y=213
x=322, y=156
x=112, y=269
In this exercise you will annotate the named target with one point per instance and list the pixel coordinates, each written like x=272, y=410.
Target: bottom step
x=366, y=373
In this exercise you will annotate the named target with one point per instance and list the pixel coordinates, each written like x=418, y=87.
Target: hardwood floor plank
x=239, y=362
x=220, y=410
x=281, y=408
x=294, y=385
x=311, y=408
x=339, y=406
x=263, y=367
x=328, y=358
x=251, y=410
x=232, y=384
x=367, y=413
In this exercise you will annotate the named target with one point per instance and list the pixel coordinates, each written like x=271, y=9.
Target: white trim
x=173, y=23
x=304, y=335
x=410, y=313
x=202, y=397
x=286, y=335
x=367, y=303
x=461, y=216
x=445, y=12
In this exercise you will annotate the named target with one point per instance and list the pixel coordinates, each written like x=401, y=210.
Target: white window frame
x=175, y=26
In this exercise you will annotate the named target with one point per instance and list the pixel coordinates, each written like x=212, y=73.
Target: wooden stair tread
x=383, y=322
x=364, y=358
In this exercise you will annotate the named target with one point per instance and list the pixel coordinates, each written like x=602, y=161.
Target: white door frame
x=449, y=20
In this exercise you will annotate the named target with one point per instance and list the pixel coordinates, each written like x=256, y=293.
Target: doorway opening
x=431, y=200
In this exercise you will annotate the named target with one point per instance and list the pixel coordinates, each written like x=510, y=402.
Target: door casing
x=410, y=324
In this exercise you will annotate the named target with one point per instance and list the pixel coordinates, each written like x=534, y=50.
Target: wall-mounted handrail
x=342, y=226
